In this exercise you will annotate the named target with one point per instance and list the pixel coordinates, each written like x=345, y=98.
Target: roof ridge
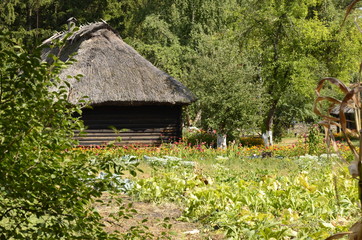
x=80, y=31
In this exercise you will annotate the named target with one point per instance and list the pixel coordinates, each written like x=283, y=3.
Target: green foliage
x=221, y=78
x=168, y=162
x=47, y=190
x=260, y=198
x=32, y=21
x=314, y=139
x=245, y=60
x=251, y=141
x=268, y=55
x=199, y=137
x=290, y=41
x=191, y=41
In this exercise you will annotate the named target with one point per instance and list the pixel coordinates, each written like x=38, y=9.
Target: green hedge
x=251, y=141
x=199, y=137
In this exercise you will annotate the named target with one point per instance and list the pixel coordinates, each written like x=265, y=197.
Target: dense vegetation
x=252, y=64
x=47, y=191
x=292, y=195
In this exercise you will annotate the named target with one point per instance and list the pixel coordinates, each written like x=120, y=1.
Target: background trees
x=289, y=45
x=278, y=48
x=194, y=41
x=222, y=77
x=293, y=42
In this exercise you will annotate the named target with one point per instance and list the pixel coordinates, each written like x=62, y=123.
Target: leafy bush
x=46, y=190
x=251, y=141
x=199, y=137
x=314, y=139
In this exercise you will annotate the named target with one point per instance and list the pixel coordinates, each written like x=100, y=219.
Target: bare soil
x=155, y=215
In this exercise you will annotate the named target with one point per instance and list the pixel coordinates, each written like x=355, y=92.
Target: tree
x=32, y=21
x=288, y=37
x=47, y=191
x=222, y=78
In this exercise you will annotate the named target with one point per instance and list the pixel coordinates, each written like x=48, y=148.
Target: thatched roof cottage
x=125, y=90
x=349, y=114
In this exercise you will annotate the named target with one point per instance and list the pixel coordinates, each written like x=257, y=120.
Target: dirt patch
x=155, y=215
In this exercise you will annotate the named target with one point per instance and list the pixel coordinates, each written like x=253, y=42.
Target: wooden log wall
x=139, y=125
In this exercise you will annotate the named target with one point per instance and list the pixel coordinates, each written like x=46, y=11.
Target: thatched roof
x=347, y=110
x=113, y=72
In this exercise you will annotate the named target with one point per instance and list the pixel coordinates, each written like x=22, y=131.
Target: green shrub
x=199, y=137
x=314, y=139
x=47, y=191
x=251, y=141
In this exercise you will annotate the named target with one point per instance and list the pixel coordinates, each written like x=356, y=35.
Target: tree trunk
x=221, y=141
x=268, y=131
x=197, y=118
x=268, y=138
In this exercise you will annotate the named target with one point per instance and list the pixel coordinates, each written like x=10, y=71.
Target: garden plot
x=155, y=224
x=228, y=195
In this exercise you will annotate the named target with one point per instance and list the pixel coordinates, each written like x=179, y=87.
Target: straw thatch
x=347, y=110
x=113, y=72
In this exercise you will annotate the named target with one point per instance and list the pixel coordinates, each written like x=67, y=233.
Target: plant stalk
x=360, y=169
